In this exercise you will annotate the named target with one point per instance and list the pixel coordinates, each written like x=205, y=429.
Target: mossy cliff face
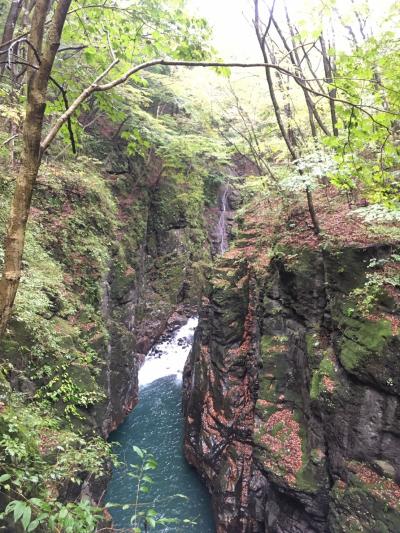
x=154, y=282
x=292, y=392
x=108, y=266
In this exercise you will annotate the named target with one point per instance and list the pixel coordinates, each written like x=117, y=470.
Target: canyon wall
x=154, y=283
x=291, y=392
x=112, y=261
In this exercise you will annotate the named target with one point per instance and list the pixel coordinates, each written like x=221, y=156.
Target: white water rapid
x=168, y=357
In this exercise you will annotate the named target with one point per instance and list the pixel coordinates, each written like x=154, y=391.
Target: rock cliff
x=291, y=392
x=154, y=280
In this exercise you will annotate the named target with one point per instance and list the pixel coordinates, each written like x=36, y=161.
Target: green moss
x=266, y=342
x=362, y=340
x=277, y=428
x=310, y=344
x=326, y=369
x=269, y=345
x=306, y=479
x=83, y=378
x=312, y=475
x=313, y=346
x=387, y=233
x=274, y=366
x=264, y=412
x=355, y=510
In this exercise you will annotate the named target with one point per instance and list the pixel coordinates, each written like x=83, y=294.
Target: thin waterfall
x=222, y=223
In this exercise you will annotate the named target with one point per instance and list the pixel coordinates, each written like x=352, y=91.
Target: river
x=156, y=425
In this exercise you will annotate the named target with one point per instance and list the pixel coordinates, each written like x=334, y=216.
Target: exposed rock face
x=219, y=386
x=291, y=394
x=154, y=282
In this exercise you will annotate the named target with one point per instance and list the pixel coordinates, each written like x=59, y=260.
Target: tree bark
x=313, y=214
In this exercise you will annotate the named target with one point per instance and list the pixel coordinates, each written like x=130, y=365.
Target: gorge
x=199, y=266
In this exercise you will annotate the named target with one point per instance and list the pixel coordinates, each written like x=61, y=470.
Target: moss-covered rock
x=354, y=509
x=326, y=389
x=369, y=350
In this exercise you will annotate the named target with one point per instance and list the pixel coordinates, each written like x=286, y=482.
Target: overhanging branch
x=96, y=87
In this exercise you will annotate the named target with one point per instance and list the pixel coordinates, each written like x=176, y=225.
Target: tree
x=42, y=46
x=326, y=75
x=290, y=139
x=42, y=51
x=9, y=27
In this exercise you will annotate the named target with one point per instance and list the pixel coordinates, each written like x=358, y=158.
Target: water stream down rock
x=222, y=225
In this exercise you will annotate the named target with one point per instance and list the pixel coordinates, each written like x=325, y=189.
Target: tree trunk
x=15, y=239
x=313, y=214
x=261, y=40
x=329, y=79
x=8, y=32
x=38, y=80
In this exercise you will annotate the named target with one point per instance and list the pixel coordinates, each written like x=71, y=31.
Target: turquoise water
x=156, y=425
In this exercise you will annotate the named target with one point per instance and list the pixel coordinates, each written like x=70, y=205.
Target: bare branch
x=66, y=104
x=9, y=139
x=302, y=46
x=74, y=106
x=271, y=14
x=113, y=56
x=78, y=47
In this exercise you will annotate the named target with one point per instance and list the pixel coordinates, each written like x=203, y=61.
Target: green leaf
x=138, y=451
x=4, y=477
x=63, y=513
x=36, y=501
x=151, y=464
x=223, y=71
x=90, y=55
x=26, y=517
x=19, y=510
x=33, y=525
x=151, y=522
